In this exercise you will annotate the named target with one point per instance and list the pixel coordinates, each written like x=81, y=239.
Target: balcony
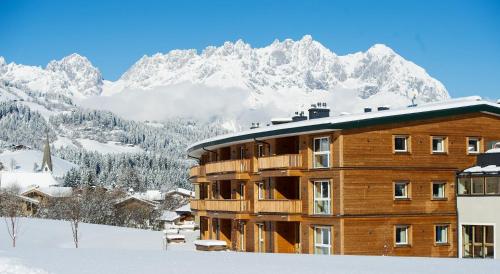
x=230, y=166
x=286, y=161
x=197, y=171
x=278, y=206
x=221, y=205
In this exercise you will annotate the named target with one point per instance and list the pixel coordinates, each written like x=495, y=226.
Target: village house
x=380, y=182
x=181, y=218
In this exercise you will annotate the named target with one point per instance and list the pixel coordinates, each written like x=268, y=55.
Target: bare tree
x=74, y=214
x=12, y=210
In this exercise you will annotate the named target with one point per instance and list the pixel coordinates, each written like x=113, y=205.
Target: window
x=464, y=185
x=322, y=201
x=477, y=241
x=242, y=152
x=242, y=191
x=260, y=238
x=322, y=240
x=400, y=143
x=438, y=144
x=492, y=185
x=261, y=151
x=477, y=185
x=438, y=190
x=321, y=152
x=473, y=145
x=441, y=236
x=402, y=235
x=401, y=190
x=260, y=190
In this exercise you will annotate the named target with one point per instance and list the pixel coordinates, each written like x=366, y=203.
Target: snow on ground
x=63, y=142
x=108, y=147
x=45, y=246
x=25, y=160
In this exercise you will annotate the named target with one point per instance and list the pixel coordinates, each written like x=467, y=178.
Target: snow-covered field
x=108, y=147
x=45, y=246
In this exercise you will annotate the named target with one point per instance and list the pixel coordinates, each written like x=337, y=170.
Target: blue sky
x=457, y=42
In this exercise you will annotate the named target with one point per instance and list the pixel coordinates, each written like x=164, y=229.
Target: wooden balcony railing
x=221, y=205
x=237, y=166
x=278, y=206
x=287, y=161
x=197, y=171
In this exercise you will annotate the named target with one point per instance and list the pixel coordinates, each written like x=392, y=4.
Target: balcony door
x=241, y=191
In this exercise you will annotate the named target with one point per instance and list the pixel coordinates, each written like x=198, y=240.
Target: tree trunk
x=12, y=222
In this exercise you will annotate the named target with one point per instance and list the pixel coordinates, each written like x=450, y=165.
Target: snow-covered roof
x=52, y=191
x=181, y=191
x=133, y=197
x=184, y=208
x=493, y=150
x=28, y=199
x=210, y=243
x=27, y=180
x=357, y=120
x=151, y=195
x=485, y=169
x=169, y=216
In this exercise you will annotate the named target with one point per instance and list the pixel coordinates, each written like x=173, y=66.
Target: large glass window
x=477, y=185
x=438, y=144
x=402, y=235
x=441, y=235
x=401, y=190
x=464, y=185
x=322, y=200
x=438, y=190
x=492, y=185
x=400, y=143
x=477, y=241
x=321, y=152
x=322, y=240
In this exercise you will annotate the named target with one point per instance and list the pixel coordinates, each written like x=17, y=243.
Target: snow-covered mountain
x=73, y=76
x=101, y=125
x=305, y=64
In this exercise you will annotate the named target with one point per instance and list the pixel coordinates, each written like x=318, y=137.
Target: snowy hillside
x=45, y=246
x=25, y=160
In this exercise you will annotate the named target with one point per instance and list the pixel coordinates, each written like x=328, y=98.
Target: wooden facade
x=259, y=196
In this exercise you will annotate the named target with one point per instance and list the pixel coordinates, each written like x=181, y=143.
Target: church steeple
x=47, y=158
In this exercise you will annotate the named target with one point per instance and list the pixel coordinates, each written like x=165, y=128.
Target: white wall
x=480, y=210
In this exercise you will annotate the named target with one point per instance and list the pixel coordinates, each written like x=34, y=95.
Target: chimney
x=299, y=117
x=254, y=125
x=368, y=110
x=319, y=110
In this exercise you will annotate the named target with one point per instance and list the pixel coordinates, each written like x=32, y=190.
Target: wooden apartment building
x=380, y=182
